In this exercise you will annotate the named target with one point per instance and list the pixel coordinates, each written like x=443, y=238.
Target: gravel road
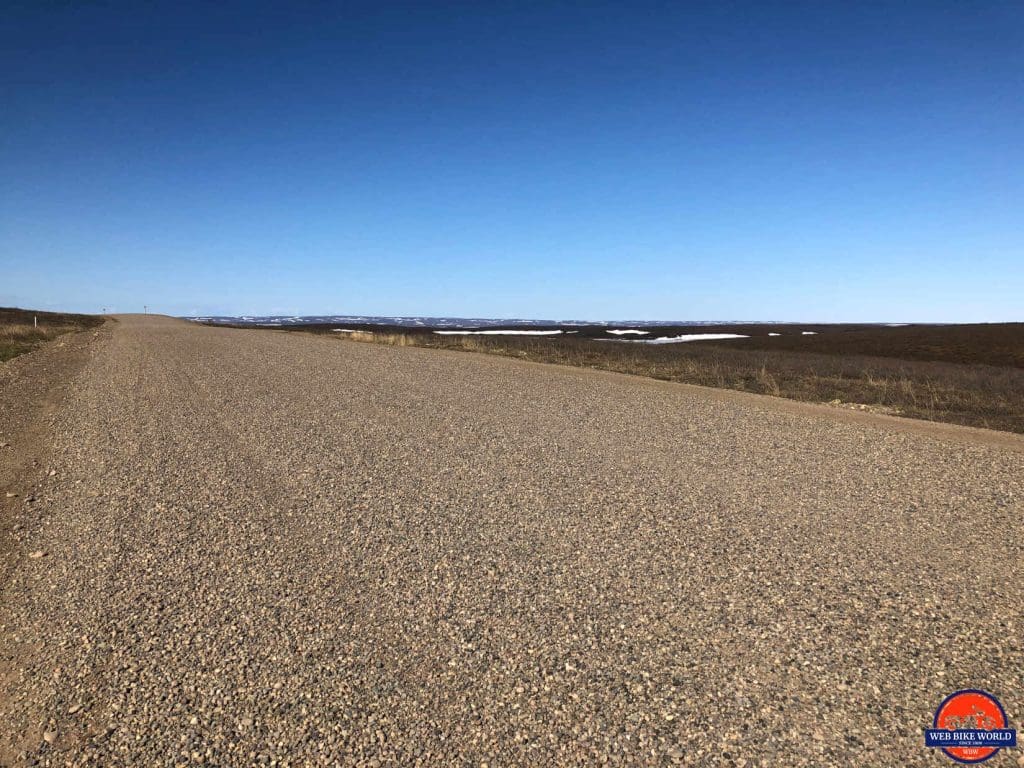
x=259, y=548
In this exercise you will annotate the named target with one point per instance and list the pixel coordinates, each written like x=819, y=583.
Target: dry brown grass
x=391, y=339
x=19, y=334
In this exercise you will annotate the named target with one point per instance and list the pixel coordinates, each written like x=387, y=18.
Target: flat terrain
x=277, y=549
x=23, y=330
x=991, y=344
x=962, y=374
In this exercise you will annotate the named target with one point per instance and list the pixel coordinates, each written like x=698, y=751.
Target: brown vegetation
x=22, y=330
x=999, y=344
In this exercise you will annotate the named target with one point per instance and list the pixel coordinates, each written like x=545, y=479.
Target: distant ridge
x=450, y=322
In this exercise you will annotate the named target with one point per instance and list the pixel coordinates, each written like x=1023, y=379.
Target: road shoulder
x=33, y=387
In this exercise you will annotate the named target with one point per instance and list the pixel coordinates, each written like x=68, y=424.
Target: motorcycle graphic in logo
x=970, y=726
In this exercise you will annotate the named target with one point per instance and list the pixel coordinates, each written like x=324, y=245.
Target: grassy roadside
x=22, y=330
x=972, y=394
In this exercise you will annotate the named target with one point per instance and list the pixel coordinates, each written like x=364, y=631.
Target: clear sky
x=747, y=160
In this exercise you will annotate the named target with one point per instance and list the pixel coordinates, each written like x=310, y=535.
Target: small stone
x=246, y=722
x=11, y=495
x=74, y=708
x=49, y=736
x=53, y=472
x=37, y=554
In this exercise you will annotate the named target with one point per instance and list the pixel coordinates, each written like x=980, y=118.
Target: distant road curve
x=256, y=548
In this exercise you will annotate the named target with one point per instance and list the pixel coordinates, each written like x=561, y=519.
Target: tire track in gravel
x=296, y=549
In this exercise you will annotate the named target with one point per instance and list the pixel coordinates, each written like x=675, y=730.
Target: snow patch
x=498, y=333
x=685, y=337
x=624, y=332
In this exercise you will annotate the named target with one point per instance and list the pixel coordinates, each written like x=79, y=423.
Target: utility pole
x=145, y=309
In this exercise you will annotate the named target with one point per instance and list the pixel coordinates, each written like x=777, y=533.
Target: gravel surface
x=254, y=548
x=33, y=390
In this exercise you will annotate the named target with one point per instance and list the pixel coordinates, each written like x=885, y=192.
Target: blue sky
x=818, y=161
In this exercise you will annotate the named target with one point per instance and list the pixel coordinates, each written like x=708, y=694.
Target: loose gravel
x=259, y=548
